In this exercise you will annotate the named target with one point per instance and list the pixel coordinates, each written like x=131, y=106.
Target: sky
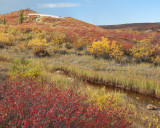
x=98, y=12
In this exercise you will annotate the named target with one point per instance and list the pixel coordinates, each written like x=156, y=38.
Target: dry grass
x=143, y=78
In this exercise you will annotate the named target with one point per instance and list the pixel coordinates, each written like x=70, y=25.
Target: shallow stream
x=133, y=97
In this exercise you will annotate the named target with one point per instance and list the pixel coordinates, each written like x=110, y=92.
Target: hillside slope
x=13, y=19
x=68, y=25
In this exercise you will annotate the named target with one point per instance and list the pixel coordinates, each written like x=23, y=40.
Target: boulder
x=151, y=107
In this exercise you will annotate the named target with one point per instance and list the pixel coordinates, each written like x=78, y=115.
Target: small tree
x=21, y=18
x=0, y=21
x=4, y=21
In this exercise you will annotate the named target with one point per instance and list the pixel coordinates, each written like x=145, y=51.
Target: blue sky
x=98, y=12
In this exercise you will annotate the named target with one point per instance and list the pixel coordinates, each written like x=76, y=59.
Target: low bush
x=6, y=39
x=24, y=69
x=41, y=52
x=28, y=104
x=107, y=49
x=39, y=47
x=143, y=50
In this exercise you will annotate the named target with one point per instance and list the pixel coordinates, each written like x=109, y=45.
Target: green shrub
x=24, y=69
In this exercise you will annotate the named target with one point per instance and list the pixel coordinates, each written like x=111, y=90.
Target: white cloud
x=59, y=5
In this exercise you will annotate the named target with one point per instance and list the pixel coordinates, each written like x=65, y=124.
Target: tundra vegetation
x=33, y=51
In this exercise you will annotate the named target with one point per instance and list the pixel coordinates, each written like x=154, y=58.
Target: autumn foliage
x=52, y=35
x=145, y=50
x=30, y=104
x=107, y=48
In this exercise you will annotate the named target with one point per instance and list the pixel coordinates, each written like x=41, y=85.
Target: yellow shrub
x=143, y=50
x=99, y=47
x=37, y=42
x=101, y=98
x=106, y=47
x=58, y=38
x=39, y=46
x=116, y=51
x=6, y=39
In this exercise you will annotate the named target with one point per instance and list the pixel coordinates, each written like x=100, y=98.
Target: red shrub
x=127, y=46
x=27, y=104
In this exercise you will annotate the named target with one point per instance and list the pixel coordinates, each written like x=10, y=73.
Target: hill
x=53, y=29
x=31, y=16
x=134, y=26
x=41, y=22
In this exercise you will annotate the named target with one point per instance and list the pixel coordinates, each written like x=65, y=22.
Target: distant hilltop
x=43, y=15
x=134, y=26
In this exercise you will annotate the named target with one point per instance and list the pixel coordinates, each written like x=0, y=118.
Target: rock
x=59, y=72
x=151, y=107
